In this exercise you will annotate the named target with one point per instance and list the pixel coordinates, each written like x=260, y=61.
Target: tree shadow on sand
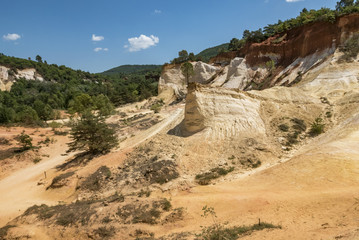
x=80, y=159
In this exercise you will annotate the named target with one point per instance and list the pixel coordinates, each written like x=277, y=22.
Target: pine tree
x=91, y=134
x=187, y=70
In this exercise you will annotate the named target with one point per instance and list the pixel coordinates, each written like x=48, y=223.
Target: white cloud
x=11, y=37
x=98, y=49
x=293, y=1
x=97, y=38
x=157, y=11
x=142, y=42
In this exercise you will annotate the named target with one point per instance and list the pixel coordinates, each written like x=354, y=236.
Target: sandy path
x=170, y=117
x=20, y=190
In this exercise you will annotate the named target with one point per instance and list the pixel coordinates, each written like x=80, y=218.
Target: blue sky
x=94, y=35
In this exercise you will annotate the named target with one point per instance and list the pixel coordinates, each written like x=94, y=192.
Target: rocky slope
x=279, y=61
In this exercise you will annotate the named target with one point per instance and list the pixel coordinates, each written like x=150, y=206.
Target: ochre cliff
x=297, y=43
x=293, y=53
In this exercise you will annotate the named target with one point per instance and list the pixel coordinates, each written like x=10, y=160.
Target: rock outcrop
x=7, y=80
x=173, y=82
x=226, y=111
x=222, y=113
x=291, y=54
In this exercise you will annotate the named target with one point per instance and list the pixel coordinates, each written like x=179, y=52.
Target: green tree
x=38, y=58
x=7, y=115
x=182, y=56
x=235, y=44
x=187, y=70
x=103, y=105
x=25, y=141
x=343, y=4
x=91, y=134
x=81, y=104
x=191, y=57
x=27, y=116
x=246, y=34
x=44, y=111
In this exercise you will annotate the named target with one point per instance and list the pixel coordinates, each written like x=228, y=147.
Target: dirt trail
x=21, y=190
x=170, y=117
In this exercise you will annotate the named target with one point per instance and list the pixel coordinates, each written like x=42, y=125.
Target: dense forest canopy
x=30, y=102
x=130, y=69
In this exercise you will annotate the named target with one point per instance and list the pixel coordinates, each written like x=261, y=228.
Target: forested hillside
x=30, y=102
x=208, y=53
x=130, y=69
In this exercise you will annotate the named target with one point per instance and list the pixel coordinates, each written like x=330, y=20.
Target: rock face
x=297, y=43
x=173, y=81
x=203, y=73
x=240, y=75
x=222, y=113
x=226, y=111
x=7, y=80
x=5, y=83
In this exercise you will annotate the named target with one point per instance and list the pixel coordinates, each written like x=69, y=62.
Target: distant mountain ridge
x=208, y=53
x=129, y=69
x=205, y=55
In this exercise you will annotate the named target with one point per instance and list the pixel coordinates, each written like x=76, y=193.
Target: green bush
x=317, y=127
x=350, y=48
x=219, y=231
x=25, y=141
x=205, y=178
x=156, y=107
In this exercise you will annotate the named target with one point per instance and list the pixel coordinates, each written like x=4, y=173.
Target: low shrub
x=4, y=230
x=283, y=127
x=205, y=178
x=4, y=141
x=317, y=127
x=105, y=232
x=219, y=231
x=93, y=182
x=37, y=160
x=350, y=49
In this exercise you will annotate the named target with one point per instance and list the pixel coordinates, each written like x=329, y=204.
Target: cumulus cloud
x=98, y=49
x=157, y=11
x=11, y=37
x=97, y=38
x=141, y=42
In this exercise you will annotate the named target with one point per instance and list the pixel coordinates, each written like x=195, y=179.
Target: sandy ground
x=312, y=195
x=20, y=189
